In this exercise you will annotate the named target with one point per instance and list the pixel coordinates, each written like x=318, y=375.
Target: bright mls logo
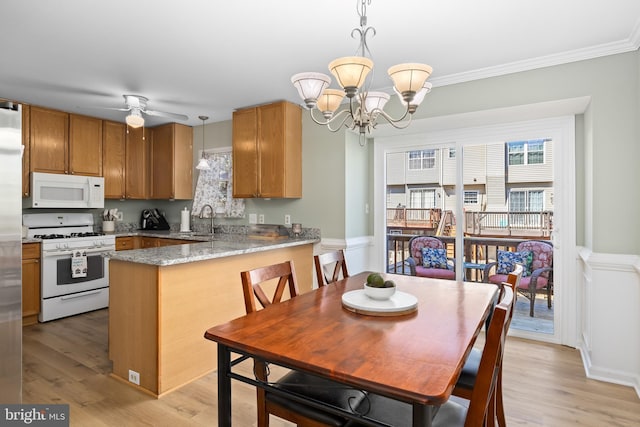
x=34, y=415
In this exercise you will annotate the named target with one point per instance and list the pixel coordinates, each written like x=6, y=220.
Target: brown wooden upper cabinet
x=49, y=133
x=85, y=145
x=137, y=163
x=64, y=143
x=172, y=162
x=113, y=159
x=267, y=151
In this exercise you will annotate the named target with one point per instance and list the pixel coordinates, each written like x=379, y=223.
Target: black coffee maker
x=152, y=219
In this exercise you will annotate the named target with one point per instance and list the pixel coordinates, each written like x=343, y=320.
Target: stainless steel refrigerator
x=10, y=253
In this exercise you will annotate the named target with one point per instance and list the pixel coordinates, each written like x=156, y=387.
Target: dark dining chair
x=306, y=385
x=334, y=261
x=428, y=258
x=537, y=275
x=481, y=406
x=469, y=374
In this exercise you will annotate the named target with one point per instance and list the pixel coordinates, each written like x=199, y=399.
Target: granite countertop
x=221, y=245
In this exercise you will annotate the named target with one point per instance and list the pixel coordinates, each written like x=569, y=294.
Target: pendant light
x=203, y=164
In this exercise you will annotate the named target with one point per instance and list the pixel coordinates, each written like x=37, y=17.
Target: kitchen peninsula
x=162, y=300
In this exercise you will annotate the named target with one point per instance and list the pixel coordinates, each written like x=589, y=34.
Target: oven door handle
x=89, y=251
x=83, y=294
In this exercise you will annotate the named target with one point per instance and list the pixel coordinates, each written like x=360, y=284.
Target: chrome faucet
x=213, y=215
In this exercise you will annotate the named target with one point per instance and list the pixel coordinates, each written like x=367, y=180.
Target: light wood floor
x=65, y=361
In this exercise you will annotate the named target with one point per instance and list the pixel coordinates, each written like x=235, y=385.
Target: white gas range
x=74, y=273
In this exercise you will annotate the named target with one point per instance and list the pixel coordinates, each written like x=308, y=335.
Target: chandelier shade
x=375, y=100
x=329, y=101
x=418, y=97
x=310, y=86
x=351, y=72
x=409, y=78
x=354, y=76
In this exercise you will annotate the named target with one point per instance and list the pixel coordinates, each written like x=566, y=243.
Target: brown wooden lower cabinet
x=172, y=305
x=30, y=283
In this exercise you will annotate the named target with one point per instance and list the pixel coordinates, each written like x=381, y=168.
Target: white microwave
x=52, y=190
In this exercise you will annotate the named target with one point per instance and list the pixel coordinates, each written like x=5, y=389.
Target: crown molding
x=622, y=46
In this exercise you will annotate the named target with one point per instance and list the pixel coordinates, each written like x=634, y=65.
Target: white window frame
x=525, y=152
x=425, y=160
x=475, y=193
x=527, y=199
x=423, y=198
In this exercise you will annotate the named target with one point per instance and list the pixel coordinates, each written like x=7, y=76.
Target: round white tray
x=399, y=303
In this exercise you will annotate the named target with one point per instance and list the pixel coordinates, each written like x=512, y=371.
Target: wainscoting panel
x=610, y=323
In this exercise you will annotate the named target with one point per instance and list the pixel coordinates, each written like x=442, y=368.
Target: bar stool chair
x=325, y=260
x=310, y=386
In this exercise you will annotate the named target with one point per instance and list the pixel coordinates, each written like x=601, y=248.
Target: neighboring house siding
x=496, y=194
x=396, y=165
x=448, y=168
x=474, y=164
x=496, y=188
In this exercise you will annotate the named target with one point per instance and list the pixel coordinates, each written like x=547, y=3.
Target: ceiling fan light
x=409, y=78
x=351, y=71
x=135, y=119
x=203, y=164
x=310, y=86
x=329, y=101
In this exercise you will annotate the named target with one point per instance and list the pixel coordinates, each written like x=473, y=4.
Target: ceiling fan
x=137, y=106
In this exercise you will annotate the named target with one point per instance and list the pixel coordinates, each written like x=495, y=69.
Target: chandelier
x=365, y=107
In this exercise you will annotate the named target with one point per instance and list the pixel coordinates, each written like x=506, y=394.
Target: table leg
x=224, y=386
x=422, y=415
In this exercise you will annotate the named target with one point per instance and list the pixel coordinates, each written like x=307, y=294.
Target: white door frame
x=562, y=131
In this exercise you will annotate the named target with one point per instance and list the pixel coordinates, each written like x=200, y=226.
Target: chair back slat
x=335, y=258
x=489, y=369
x=252, y=280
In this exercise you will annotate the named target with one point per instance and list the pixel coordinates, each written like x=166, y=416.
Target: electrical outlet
x=253, y=218
x=119, y=216
x=134, y=377
x=261, y=219
x=287, y=219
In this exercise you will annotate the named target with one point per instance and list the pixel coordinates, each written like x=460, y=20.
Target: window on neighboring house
x=452, y=153
x=422, y=199
x=471, y=197
x=526, y=152
x=422, y=159
x=526, y=201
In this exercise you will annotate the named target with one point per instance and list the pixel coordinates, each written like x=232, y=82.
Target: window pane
x=517, y=201
x=516, y=153
x=470, y=197
x=536, y=200
x=535, y=152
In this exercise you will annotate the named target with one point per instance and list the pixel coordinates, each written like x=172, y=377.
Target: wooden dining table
x=415, y=357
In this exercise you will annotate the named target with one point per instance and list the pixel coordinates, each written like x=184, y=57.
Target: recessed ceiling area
x=198, y=57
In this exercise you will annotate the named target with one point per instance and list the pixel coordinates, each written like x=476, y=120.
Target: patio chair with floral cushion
x=428, y=258
x=537, y=259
